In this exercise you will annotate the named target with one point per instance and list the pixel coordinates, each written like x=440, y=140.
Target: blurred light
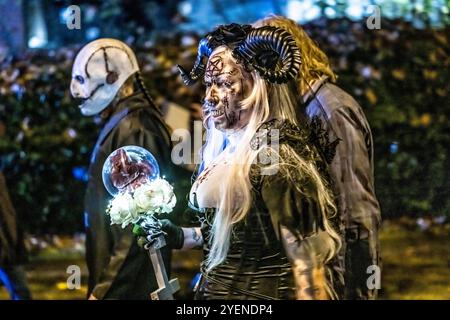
x=34, y=241
x=37, y=42
x=366, y=72
x=64, y=14
x=20, y=136
x=37, y=37
x=16, y=88
x=72, y=133
x=294, y=10
x=25, y=123
x=98, y=120
x=89, y=13
x=185, y=8
x=80, y=173
x=302, y=11
x=61, y=286
x=330, y=12
x=312, y=13
x=394, y=147
x=92, y=33
x=187, y=41
x=419, y=7
x=67, y=153
x=440, y=219
x=354, y=11
x=423, y=224
x=86, y=220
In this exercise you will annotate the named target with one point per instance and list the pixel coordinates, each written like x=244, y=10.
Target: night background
x=398, y=73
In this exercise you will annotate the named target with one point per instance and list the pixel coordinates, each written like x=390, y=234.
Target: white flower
x=168, y=207
x=164, y=195
x=146, y=198
x=154, y=197
x=123, y=210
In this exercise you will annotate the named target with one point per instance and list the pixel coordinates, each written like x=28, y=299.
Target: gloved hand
x=174, y=234
x=150, y=230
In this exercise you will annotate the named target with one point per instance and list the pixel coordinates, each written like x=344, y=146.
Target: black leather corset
x=256, y=266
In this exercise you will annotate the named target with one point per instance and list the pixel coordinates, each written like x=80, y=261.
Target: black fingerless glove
x=175, y=235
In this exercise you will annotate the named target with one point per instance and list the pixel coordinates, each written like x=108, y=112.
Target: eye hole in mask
x=80, y=79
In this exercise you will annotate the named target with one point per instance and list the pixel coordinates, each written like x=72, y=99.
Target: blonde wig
x=265, y=102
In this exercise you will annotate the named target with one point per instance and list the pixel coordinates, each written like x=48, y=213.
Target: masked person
x=262, y=196
x=106, y=77
x=352, y=167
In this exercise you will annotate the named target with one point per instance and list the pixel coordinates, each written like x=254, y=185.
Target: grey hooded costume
x=352, y=173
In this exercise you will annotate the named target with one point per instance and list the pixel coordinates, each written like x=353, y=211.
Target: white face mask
x=99, y=70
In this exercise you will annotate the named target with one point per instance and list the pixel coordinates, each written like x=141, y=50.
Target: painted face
x=99, y=70
x=226, y=87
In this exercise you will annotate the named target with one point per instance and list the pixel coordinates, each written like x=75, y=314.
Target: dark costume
x=118, y=267
x=352, y=173
x=285, y=203
x=256, y=266
x=12, y=249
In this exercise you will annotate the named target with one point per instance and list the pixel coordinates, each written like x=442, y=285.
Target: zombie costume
x=352, y=173
x=118, y=267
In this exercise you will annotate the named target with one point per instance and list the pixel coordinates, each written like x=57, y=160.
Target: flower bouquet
x=131, y=176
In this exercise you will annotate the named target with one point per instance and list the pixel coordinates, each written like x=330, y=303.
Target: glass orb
x=127, y=168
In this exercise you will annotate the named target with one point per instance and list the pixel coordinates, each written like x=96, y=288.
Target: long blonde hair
x=315, y=62
x=265, y=102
